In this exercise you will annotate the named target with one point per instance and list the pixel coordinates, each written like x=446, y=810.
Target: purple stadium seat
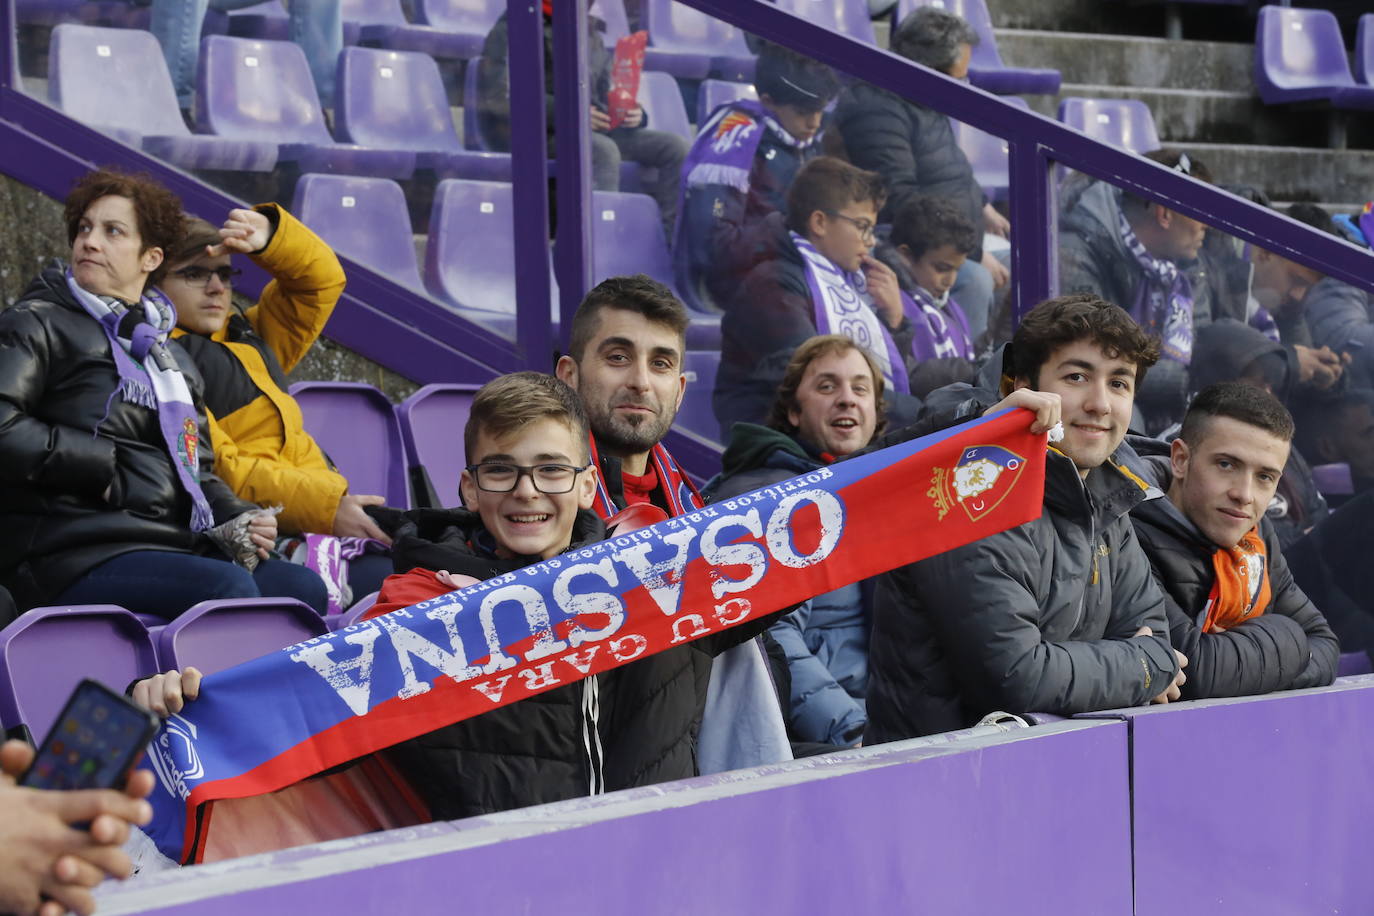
x=987, y=154
x=696, y=414
x=262, y=90
x=714, y=93
x=356, y=426
x=679, y=32
x=1353, y=663
x=47, y=651
x=396, y=100
x=472, y=129
x=986, y=69
x=662, y=102
x=361, y=218
x=470, y=258
x=350, y=616
x=1121, y=122
x=1300, y=56
x=214, y=635
x=446, y=28
x=1364, y=50
x=627, y=238
x=847, y=17
x=432, y=428
x=1333, y=479
x=116, y=81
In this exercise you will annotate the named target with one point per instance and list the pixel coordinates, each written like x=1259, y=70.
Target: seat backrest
x=393, y=100
x=470, y=259
x=975, y=13
x=113, y=77
x=373, y=12
x=1353, y=663
x=987, y=153
x=214, y=635
x=1126, y=123
x=257, y=90
x=47, y=651
x=1333, y=479
x=1295, y=48
x=848, y=17
x=432, y=421
x=714, y=93
x=674, y=26
x=472, y=127
x=467, y=16
x=362, y=218
x=1364, y=50
x=627, y=238
x=356, y=426
x=696, y=413
x=662, y=102
x=356, y=611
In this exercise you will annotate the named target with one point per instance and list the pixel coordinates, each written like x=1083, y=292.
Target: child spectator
x=738, y=172
x=822, y=279
x=261, y=447
x=932, y=239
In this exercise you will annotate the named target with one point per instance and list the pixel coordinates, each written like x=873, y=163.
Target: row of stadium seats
x=1300, y=56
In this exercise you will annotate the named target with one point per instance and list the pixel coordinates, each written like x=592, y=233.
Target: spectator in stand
x=1340, y=430
x=828, y=406
x=1233, y=607
x=1061, y=614
x=738, y=172
x=107, y=488
x=262, y=450
x=1141, y=255
x=822, y=279
x=316, y=25
x=931, y=240
x=914, y=149
x=632, y=140
x=56, y=846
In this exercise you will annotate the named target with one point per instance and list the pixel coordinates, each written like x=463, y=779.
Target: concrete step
x=1289, y=173
x=1213, y=23
x=1117, y=60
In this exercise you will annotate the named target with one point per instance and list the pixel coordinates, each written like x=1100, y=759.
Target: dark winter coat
x=1287, y=647
x=1040, y=617
x=1338, y=316
x=60, y=451
x=912, y=147
x=533, y=751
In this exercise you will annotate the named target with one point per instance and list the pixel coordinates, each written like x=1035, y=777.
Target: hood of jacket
x=752, y=446
x=1225, y=348
x=1163, y=513
x=1090, y=209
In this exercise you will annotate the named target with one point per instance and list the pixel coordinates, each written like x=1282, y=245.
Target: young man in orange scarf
x=1234, y=609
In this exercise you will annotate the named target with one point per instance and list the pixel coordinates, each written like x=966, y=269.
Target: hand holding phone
x=94, y=743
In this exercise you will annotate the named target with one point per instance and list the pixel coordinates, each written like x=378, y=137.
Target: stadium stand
x=356, y=426
x=714, y=93
x=846, y=17
x=1121, y=122
x=361, y=218
x=1300, y=57
x=986, y=68
x=679, y=32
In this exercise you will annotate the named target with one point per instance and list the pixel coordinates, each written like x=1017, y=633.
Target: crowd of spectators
x=151, y=457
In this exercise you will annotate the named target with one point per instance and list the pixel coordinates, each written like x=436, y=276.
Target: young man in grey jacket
x=1058, y=615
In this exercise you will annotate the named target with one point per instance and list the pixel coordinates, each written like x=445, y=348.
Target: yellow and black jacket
x=262, y=450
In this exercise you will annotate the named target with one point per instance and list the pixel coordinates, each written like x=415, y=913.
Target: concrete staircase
x=1201, y=92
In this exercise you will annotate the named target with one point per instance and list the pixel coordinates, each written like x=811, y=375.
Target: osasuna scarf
x=1240, y=587
x=149, y=376
x=677, y=489
x=936, y=331
x=1164, y=302
x=843, y=306
x=305, y=709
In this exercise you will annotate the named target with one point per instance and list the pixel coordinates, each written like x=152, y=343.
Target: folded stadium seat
x=986, y=69
x=1126, y=123
x=1300, y=57
x=662, y=102
x=1364, y=50
x=696, y=414
x=452, y=29
x=361, y=218
x=431, y=423
x=1333, y=479
x=47, y=651
x=350, y=616
x=987, y=154
x=848, y=17
x=396, y=100
x=679, y=32
x=116, y=81
x=714, y=93
x=219, y=634
x=356, y=426
x=262, y=90
x=627, y=238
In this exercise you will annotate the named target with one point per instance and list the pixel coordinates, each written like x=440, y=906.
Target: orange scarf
x=1240, y=589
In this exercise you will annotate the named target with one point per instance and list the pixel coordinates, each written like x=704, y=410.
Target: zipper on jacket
x=591, y=734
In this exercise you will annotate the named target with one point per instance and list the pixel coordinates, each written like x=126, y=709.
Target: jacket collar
x=1106, y=494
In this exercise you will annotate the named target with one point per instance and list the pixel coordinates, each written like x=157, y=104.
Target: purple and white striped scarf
x=1164, y=302
x=937, y=331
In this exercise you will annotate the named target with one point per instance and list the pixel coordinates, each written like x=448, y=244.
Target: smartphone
x=94, y=743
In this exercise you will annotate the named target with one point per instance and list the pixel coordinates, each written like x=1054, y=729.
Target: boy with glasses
x=823, y=279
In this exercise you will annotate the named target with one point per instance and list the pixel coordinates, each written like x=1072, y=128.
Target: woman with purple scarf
x=106, y=489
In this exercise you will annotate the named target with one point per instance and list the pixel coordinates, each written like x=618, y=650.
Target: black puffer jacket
x=58, y=456
x=533, y=751
x=1040, y=617
x=1287, y=647
x=912, y=147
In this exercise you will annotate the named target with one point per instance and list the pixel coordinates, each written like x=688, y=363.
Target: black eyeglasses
x=199, y=276
x=866, y=229
x=547, y=478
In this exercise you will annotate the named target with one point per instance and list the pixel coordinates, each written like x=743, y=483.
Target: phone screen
x=93, y=743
